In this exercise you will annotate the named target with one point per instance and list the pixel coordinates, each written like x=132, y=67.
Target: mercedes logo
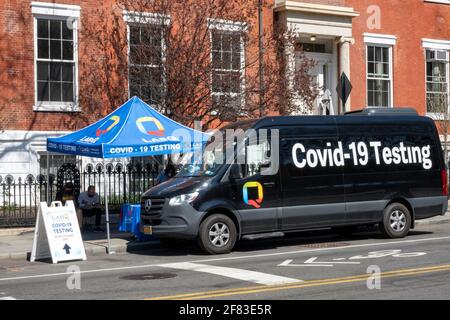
x=148, y=204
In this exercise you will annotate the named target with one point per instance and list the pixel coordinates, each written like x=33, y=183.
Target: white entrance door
x=322, y=73
x=324, y=79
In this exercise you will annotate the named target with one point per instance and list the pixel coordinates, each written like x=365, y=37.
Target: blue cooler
x=130, y=218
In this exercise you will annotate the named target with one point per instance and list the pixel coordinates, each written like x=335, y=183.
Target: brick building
x=66, y=63
x=395, y=53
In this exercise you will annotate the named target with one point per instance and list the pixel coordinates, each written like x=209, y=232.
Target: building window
x=227, y=64
x=437, y=80
x=312, y=47
x=146, y=56
x=379, y=76
x=227, y=71
x=55, y=161
x=379, y=69
x=55, y=63
x=55, y=48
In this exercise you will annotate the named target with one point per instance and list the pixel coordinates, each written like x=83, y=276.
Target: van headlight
x=183, y=199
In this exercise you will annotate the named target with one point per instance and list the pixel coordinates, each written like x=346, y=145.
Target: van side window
x=257, y=156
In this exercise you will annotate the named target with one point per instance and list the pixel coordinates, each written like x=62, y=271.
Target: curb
x=130, y=247
x=15, y=231
x=92, y=250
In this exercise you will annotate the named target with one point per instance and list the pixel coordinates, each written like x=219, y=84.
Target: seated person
x=89, y=203
x=67, y=193
x=168, y=173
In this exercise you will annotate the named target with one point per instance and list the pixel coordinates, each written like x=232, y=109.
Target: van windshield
x=255, y=159
x=206, y=165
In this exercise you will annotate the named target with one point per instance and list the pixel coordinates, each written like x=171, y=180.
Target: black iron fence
x=20, y=196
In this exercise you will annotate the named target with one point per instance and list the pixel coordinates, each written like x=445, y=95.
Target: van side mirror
x=235, y=172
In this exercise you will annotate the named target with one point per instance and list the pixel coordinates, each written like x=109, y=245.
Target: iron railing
x=20, y=196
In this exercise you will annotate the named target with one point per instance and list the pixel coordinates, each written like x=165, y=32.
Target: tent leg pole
x=48, y=179
x=106, y=209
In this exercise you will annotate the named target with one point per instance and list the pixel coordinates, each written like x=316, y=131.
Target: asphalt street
x=310, y=265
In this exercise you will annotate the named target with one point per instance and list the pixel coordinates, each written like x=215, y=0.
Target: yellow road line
x=304, y=284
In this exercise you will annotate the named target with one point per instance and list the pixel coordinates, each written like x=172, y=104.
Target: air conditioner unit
x=436, y=55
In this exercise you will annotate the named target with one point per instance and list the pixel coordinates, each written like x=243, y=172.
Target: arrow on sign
x=313, y=263
x=67, y=248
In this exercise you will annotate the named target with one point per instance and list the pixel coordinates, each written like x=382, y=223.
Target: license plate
x=148, y=230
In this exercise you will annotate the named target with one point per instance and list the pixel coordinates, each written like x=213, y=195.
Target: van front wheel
x=396, y=221
x=217, y=234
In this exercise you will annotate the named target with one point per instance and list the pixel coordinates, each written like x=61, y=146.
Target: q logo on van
x=140, y=121
x=115, y=120
x=253, y=202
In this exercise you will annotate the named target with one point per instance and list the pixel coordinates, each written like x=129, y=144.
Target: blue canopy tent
x=133, y=130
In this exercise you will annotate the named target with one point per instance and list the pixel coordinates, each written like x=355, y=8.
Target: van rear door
x=389, y=160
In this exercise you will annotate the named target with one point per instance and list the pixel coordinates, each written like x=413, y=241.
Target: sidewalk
x=434, y=220
x=17, y=243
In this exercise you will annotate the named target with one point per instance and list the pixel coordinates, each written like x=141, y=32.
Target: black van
x=375, y=166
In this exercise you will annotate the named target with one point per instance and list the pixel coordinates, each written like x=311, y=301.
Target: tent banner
x=149, y=150
x=88, y=151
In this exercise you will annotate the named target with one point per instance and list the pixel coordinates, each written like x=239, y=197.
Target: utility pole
x=261, y=57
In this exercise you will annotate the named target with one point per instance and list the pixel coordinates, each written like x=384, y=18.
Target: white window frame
x=439, y=1
x=386, y=41
x=229, y=26
x=45, y=10
x=142, y=18
x=443, y=45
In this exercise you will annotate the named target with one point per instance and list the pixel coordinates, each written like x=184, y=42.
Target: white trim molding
x=55, y=9
x=436, y=44
x=376, y=38
x=342, y=40
x=146, y=18
x=298, y=6
x=439, y=1
x=226, y=25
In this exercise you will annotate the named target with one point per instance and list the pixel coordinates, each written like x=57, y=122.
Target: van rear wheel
x=217, y=234
x=396, y=221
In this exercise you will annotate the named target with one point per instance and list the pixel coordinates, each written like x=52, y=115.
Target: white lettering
x=359, y=155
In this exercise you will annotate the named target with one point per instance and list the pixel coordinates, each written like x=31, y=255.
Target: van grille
x=155, y=208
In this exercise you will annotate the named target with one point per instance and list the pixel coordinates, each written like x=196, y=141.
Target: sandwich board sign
x=57, y=233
